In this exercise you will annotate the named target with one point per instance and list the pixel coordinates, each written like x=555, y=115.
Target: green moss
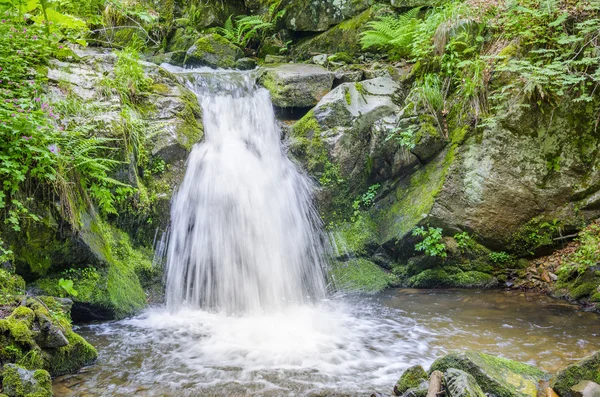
x=75, y=355
x=353, y=238
x=586, y=369
x=498, y=376
x=38, y=384
x=190, y=130
x=413, y=199
x=347, y=96
x=412, y=377
x=10, y=286
x=360, y=275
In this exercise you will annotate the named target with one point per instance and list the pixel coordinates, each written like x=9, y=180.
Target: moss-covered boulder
x=344, y=37
x=39, y=336
x=318, y=16
x=411, y=378
x=498, y=376
x=586, y=369
x=296, y=85
x=213, y=50
x=20, y=382
x=11, y=286
x=462, y=384
x=359, y=275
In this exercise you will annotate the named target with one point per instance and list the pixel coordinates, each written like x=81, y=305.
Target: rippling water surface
x=347, y=345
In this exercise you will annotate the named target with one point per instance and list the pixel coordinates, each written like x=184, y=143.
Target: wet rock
x=462, y=384
x=318, y=16
x=276, y=59
x=19, y=382
x=586, y=369
x=245, y=64
x=213, y=50
x=586, y=388
x=347, y=76
x=320, y=60
x=51, y=337
x=495, y=375
x=413, y=377
x=296, y=85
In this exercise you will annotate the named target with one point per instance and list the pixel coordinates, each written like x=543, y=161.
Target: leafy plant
x=246, y=28
x=364, y=201
x=464, y=241
x=500, y=257
x=395, y=34
x=587, y=253
x=67, y=286
x=432, y=243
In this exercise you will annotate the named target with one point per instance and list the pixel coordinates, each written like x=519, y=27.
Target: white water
x=245, y=236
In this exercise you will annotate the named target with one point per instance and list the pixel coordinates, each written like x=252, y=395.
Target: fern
x=393, y=33
x=245, y=28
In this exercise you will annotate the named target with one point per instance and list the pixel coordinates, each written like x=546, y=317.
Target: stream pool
x=347, y=345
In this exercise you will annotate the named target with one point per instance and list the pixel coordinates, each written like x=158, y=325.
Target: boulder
x=352, y=123
x=344, y=37
x=497, y=376
x=213, y=50
x=462, y=384
x=413, y=377
x=586, y=388
x=19, y=382
x=318, y=16
x=347, y=76
x=586, y=369
x=296, y=85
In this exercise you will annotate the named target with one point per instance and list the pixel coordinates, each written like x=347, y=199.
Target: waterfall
x=245, y=236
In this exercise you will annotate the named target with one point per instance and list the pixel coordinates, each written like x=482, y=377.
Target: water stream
x=247, y=312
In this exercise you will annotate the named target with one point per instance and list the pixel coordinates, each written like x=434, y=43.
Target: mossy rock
x=11, y=285
x=360, y=275
x=498, y=376
x=342, y=38
x=318, y=16
x=413, y=377
x=213, y=50
x=462, y=384
x=451, y=277
x=20, y=382
x=25, y=338
x=586, y=369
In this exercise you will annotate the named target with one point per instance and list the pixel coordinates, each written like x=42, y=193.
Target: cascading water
x=245, y=259
x=245, y=236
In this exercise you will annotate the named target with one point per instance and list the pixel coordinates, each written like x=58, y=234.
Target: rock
x=19, y=382
x=210, y=13
x=586, y=369
x=428, y=142
x=497, y=376
x=296, y=85
x=344, y=37
x=347, y=76
x=413, y=377
x=276, y=59
x=51, y=337
x=420, y=391
x=320, y=60
x=462, y=384
x=213, y=50
x=245, y=64
x=586, y=388
x=318, y=16
x=353, y=122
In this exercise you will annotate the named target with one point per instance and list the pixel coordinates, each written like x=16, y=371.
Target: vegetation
x=432, y=243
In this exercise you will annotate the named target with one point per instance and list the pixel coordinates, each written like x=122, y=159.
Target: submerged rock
x=586, y=369
x=462, y=384
x=296, y=85
x=213, y=50
x=413, y=377
x=498, y=376
x=20, y=382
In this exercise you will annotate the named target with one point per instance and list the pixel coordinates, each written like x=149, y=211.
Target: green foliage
x=464, y=241
x=67, y=285
x=364, y=201
x=432, y=243
x=500, y=257
x=394, y=34
x=587, y=253
x=129, y=80
x=244, y=29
